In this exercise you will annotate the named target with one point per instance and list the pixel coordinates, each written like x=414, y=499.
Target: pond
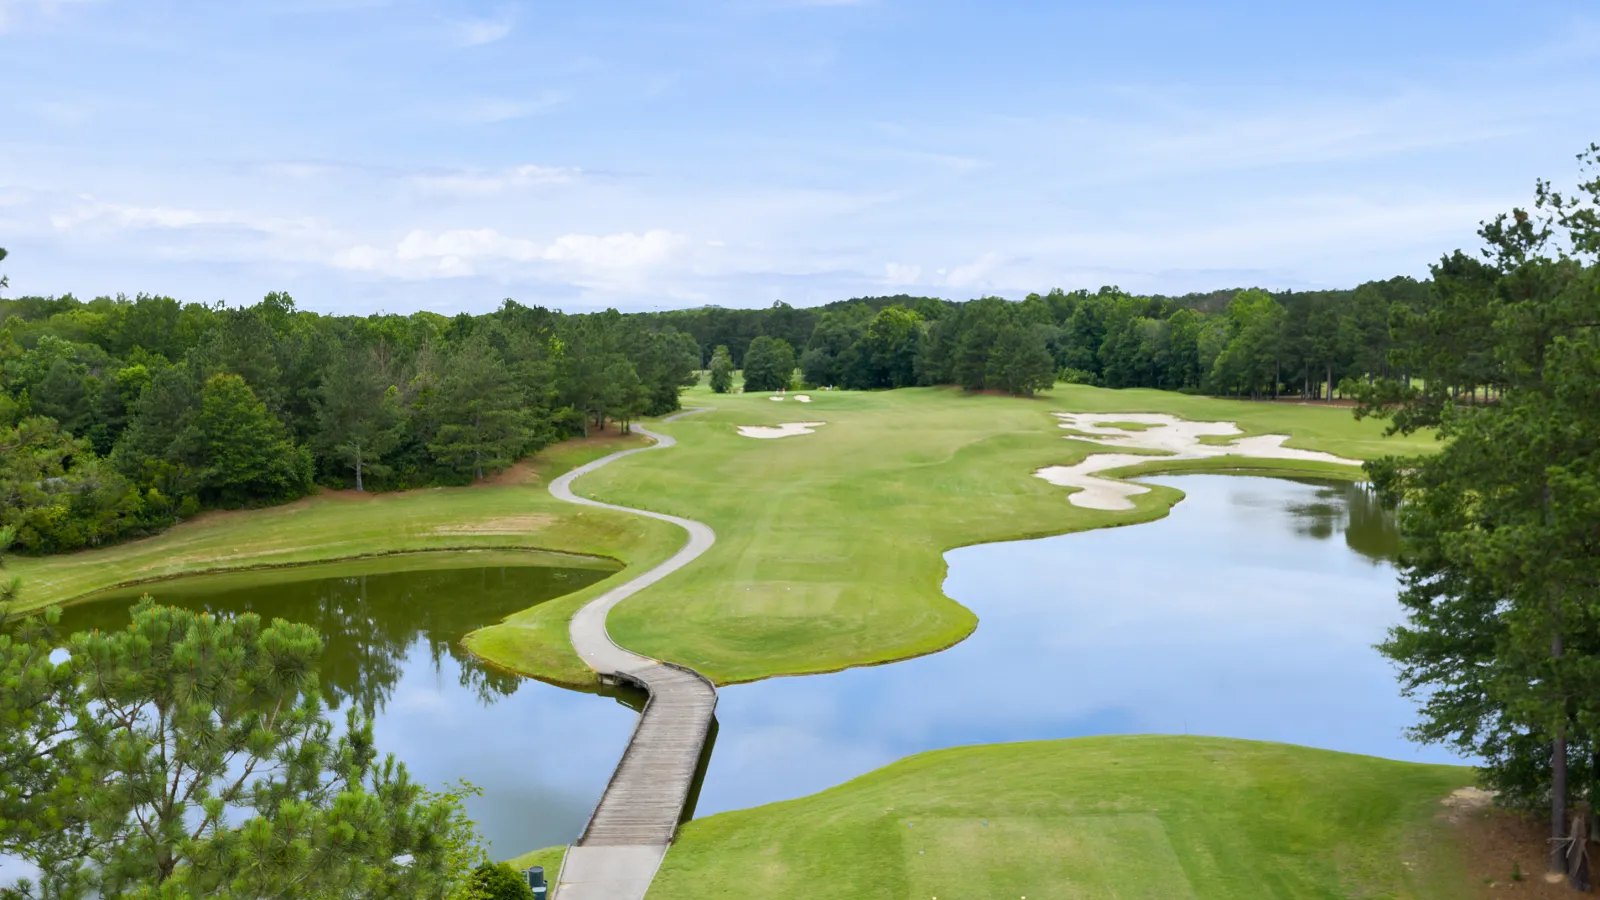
x=1249, y=612
x=541, y=754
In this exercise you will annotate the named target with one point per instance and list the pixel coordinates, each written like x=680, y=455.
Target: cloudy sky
x=400, y=154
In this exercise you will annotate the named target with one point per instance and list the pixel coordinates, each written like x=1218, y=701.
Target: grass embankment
x=1184, y=818
x=513, y=512
x=829, y=545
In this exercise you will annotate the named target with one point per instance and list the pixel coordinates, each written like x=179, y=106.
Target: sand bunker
x=787, y=429
x=776, y=397
x=803, y=398
x=1173, y=437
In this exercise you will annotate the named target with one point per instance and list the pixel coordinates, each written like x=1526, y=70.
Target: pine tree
x=357, y=412
x=481, y=425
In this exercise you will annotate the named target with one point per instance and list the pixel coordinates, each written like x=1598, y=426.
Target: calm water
x=1249, y=612
x=393, y=646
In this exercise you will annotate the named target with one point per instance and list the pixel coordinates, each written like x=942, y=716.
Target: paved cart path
x=627, y=836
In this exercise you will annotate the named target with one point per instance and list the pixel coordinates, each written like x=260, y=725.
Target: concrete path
x=627, y=836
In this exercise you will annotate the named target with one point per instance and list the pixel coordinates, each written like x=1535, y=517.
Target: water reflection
x=1240, y=615
x=542, y=754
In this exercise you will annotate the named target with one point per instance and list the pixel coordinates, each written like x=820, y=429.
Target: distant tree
x=358, y=412
x=894, y=339
x=56, y=495
x=480, y=413
x=1019, y=364
x=768, y=365
x=246, y=452
x=624, y=396
x=721, y=370
x=5, y=280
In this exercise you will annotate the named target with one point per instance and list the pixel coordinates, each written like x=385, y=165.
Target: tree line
x=118, y=416
x=1239, y=342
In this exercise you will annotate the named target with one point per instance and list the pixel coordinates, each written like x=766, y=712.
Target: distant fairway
x=1103, y=818
x=829, y=544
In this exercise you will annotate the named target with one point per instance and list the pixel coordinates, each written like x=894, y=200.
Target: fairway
x=1091, y=818
x=829, y=543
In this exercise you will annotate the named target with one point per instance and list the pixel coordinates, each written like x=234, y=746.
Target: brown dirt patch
x=1493, y=840
x=502, y=525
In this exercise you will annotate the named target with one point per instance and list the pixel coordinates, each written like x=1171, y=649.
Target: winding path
x=628, y=833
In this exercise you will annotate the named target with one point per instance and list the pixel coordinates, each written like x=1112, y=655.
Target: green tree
x=481, y=423
x=215, y=770
x=624, y=395
x=5, y=281
x=358, y=412
x=1019, y=363
x=768, y=365
x=1502, y=639
x=246, y=452
x=39, y=776
x=496, y=881
x=894, y=340
x=721, y=370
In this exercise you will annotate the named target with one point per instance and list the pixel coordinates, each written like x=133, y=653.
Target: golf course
x=790, y=589
x=829, y=555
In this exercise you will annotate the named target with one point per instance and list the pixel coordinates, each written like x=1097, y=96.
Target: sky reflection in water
x=1244, y=614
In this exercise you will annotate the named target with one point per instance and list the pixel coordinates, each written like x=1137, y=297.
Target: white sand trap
x=777, y=398
x=803, y=398
x=1176, y=439
x=787, y=429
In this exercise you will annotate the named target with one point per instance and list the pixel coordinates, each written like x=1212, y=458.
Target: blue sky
x=369, y=155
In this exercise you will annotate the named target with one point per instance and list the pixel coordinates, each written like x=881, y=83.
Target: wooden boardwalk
x=629, y=831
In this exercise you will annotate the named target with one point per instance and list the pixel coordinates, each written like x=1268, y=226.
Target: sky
x=395, y=155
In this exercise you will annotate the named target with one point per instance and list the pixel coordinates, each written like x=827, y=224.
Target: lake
x=1249, y=612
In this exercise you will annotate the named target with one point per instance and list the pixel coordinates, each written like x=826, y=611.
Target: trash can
x=536, y=882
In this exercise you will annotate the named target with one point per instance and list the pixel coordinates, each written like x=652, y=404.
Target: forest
x=119, y=416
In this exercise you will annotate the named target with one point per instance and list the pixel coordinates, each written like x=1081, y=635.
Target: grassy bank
x=514, y=512
x=1184, y=818
x=829, y=545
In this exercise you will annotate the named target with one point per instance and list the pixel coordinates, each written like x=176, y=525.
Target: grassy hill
x=1131, y=817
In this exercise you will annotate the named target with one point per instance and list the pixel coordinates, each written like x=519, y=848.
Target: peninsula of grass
x=829, y=545
x=515, y=512
x=1185, y=818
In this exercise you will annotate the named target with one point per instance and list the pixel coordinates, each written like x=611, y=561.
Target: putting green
x=829, y=544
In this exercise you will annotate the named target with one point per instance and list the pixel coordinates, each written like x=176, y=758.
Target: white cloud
x=973, y=274
x=614, y=251
x=477, y=32
x=484, y=184
x=895, y=273
x=16, y=13
x=489, y=110
x=467, y=251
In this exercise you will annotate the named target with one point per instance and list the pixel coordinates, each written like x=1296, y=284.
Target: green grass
x=1125, y=426
x=1186, y=818
x=829, y=545
x=515, y=512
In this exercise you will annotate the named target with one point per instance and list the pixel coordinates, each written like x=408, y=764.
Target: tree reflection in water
x=1353, y=509
x=369, y=619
